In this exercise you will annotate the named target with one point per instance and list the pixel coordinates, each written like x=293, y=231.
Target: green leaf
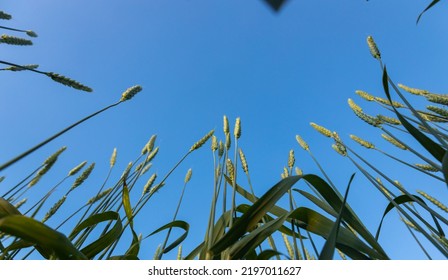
x=335, y=201
x=255, y=238
x=433, y=148
x=327, y=252
x=445, y=167
x=400, y=200
x=127, y=204
x=321, y=204
x=7, y=208
x=268, y=254
x=196, y=251
x=251, y=218
x=427, y=8
x=49, y=240
x=320, y=225
x=174, y=224
x=106, y=239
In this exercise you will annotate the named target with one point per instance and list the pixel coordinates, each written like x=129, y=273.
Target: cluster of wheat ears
x=261, y=228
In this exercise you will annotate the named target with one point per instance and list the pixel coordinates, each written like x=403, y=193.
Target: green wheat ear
x=202, y=141
x=68, y=82
x=237, y=130
x=188, y=176
x=415, y=91
x=427, y=167
x=362, y=142
x=291, y=159
x=373, y=48
x=365, y=95
x=130, y=93
x=22, y=67
x=12, y=40
x=322, y=130
x=393, y=141
x=438, y=110
x=433, y=201
x=302, y=143
x=243, y=160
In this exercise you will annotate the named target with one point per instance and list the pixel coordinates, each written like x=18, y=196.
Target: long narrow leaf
x=251, y=218
x=51, y=241
x=174, y=224
x=327, y=252
x=433, y=148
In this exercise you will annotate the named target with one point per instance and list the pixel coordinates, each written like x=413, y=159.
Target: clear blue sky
x=198, y=60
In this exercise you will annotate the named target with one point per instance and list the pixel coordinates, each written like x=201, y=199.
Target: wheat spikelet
x=308, y=255
x=354, y=106
x=243, y=160
x=291, y=159
x=373, y=48
x=441, y=111
x=437, y=98
x=76, y=169
x=413, y=90
x=214, y=146
x=368, y=119
x=152, y=155
x=84, y=175
x=393, y=141
x=237, y=129
x=68, y=82
x=339, y=150
x=20, y=203
x=4, y=15
x=427, y=167
x=54, y=209
x=411, y=225
x=285, y=173
x=139, y=166
x=126, y=171
x=302, y=143
x=157, y=253
x=188, y=176
x=149, y=184
x=22, y=67
x=230, y=170
x=362, y=142
x=228, y=141
x=433, y=201
x=202, y=141
x=100, y=196
x=146, y=168
x=150, y=145
x=298, y=171
x=432, y=118
x=321, y=129
x=388, y=103
x=12, y=40
x=382, y=187
x=288, y=246
x=48, y=163
x=31, y=33
x=226, y=128
x=220, y=149
x=365, y=95
x=179, y=253
x=130, y=93
x=113, y=158
x=389, y=120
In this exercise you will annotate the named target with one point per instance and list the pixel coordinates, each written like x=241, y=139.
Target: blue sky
x=200, y=60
